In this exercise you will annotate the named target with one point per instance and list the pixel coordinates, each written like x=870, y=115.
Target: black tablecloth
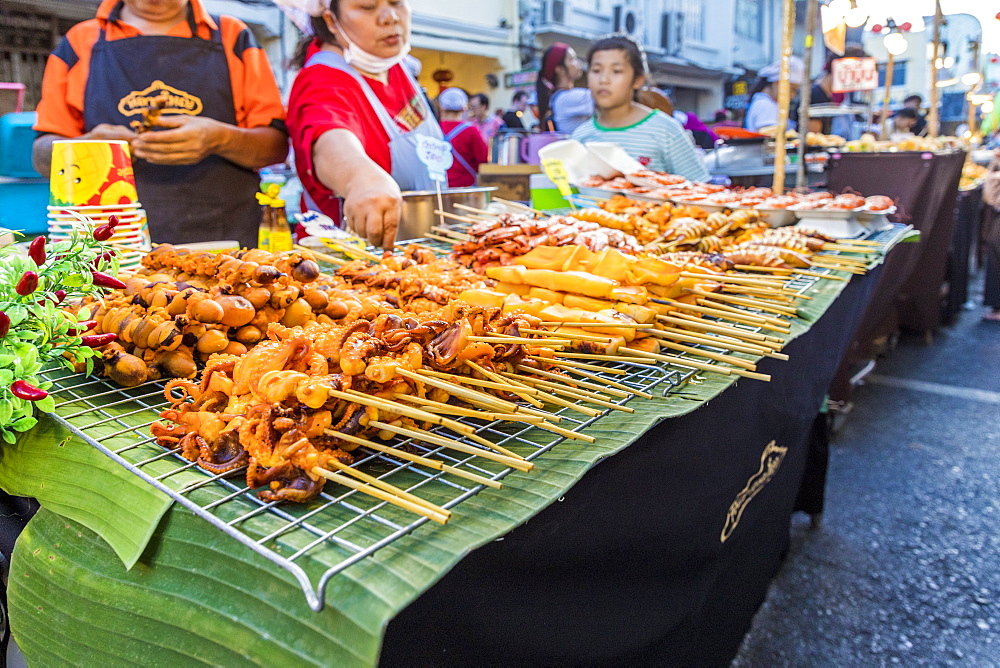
x=967, y=215
x=630, y=567
x=924, y=186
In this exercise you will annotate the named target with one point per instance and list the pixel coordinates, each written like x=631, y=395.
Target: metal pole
x=805, y=98
x=971, y=121
x=932, y=112
x=882, y=135
x=784, y=95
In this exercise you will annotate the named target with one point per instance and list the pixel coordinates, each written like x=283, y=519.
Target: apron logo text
x=770, y=461
x=178, y=101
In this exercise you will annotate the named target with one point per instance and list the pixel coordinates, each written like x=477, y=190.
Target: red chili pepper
x=60, y=296
x=112, y=221
x=105, y=256
x=82, y=327
x=27, y=284
x=103, y=280
x=98, y=340
x=4, y=324
x=27, y=391
x=104, y=232
x=36, y=250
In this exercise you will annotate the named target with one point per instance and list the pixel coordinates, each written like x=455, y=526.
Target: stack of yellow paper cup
x=93, y=179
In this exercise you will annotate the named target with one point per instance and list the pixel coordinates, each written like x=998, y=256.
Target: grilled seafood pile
x=278, y=409
x=498, y=241
x=183, y=307
x=417, y=281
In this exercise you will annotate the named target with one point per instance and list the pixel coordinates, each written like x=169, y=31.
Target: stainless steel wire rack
x=317, y=540
x=342, y=526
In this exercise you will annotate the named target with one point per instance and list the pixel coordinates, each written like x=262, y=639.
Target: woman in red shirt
x=355, y=114
x=467, y=146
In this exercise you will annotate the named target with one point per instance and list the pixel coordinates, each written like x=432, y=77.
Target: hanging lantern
x=443, y=76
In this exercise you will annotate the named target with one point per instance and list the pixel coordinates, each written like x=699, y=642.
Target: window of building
x=749, y=19
x=694, y=20
x=898, y=74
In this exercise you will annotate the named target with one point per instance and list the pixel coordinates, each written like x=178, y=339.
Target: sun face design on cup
x=79, y=170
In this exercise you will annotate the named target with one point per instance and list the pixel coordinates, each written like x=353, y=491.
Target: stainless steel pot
x=419, y=207
x=506, y=149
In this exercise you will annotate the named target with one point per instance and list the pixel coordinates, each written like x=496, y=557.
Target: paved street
x=906, y=566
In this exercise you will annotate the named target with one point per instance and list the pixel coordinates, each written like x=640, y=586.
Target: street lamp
x=895, y=44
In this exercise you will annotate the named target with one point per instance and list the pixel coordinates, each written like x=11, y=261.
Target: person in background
x=467, y=146
x=722, y=119
x=561, y=106
x=763, y=109
x=514, y=118
x=195, y=173
x=989, y=236
x=616, y=71
x=479, y=115
x=915, y=102
x=902, y=122
x=702, y=136
x=822, y=93
x=356, y=116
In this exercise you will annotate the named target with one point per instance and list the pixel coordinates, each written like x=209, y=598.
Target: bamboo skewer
x=718, y=357
x=559, y=401
x=438, y=237
x=453, y=216
x=393, y=407
x=624, y=394
x=726, y=278
x=469, y=380
x=472, y=209
x=558, y=361
x=459, y=236
x=392, y=489
x=518, y=205
x=514, y=462
x=436, y=406
x=416, y=459
x=582, y=395
x=572, y=336
x=478, y=398
x=500, y=379
x=741, y=317
x=755, y=293
x=715, y=342
x=348, y=248
x=625, y=325
x=744, y=301
x=498, y=337
x=323, y=256
x=770, y=322
x=610, y=358
x=850, y=248
x=380, y=494
x=612, y=383
x=700, y=323
x=681, y=361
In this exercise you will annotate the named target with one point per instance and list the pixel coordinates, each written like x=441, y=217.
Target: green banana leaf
x=71, y=478
x=197, y=595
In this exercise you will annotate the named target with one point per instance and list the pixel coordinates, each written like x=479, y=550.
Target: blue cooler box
x=24, y=193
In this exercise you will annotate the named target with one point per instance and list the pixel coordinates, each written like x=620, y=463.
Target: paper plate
x=777, y=217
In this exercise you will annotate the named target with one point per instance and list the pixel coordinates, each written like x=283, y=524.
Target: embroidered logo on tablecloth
x=770, y=461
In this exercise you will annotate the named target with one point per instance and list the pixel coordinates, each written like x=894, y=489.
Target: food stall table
x=704, y=494
x=924, y=186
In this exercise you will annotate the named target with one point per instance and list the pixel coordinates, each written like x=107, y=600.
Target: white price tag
x=317, y=224
x=436, y=154
x=850, y=74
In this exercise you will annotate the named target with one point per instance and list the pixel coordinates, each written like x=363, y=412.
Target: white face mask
x=368, y=62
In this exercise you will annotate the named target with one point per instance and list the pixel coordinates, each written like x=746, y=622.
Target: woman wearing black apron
x=195, y=173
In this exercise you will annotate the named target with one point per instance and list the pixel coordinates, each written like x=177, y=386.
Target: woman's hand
x=372, y=200
x=372, y=209
x=187, y=140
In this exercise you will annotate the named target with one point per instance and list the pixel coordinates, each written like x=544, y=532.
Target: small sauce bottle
x=264, y=230
x=281, y=234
